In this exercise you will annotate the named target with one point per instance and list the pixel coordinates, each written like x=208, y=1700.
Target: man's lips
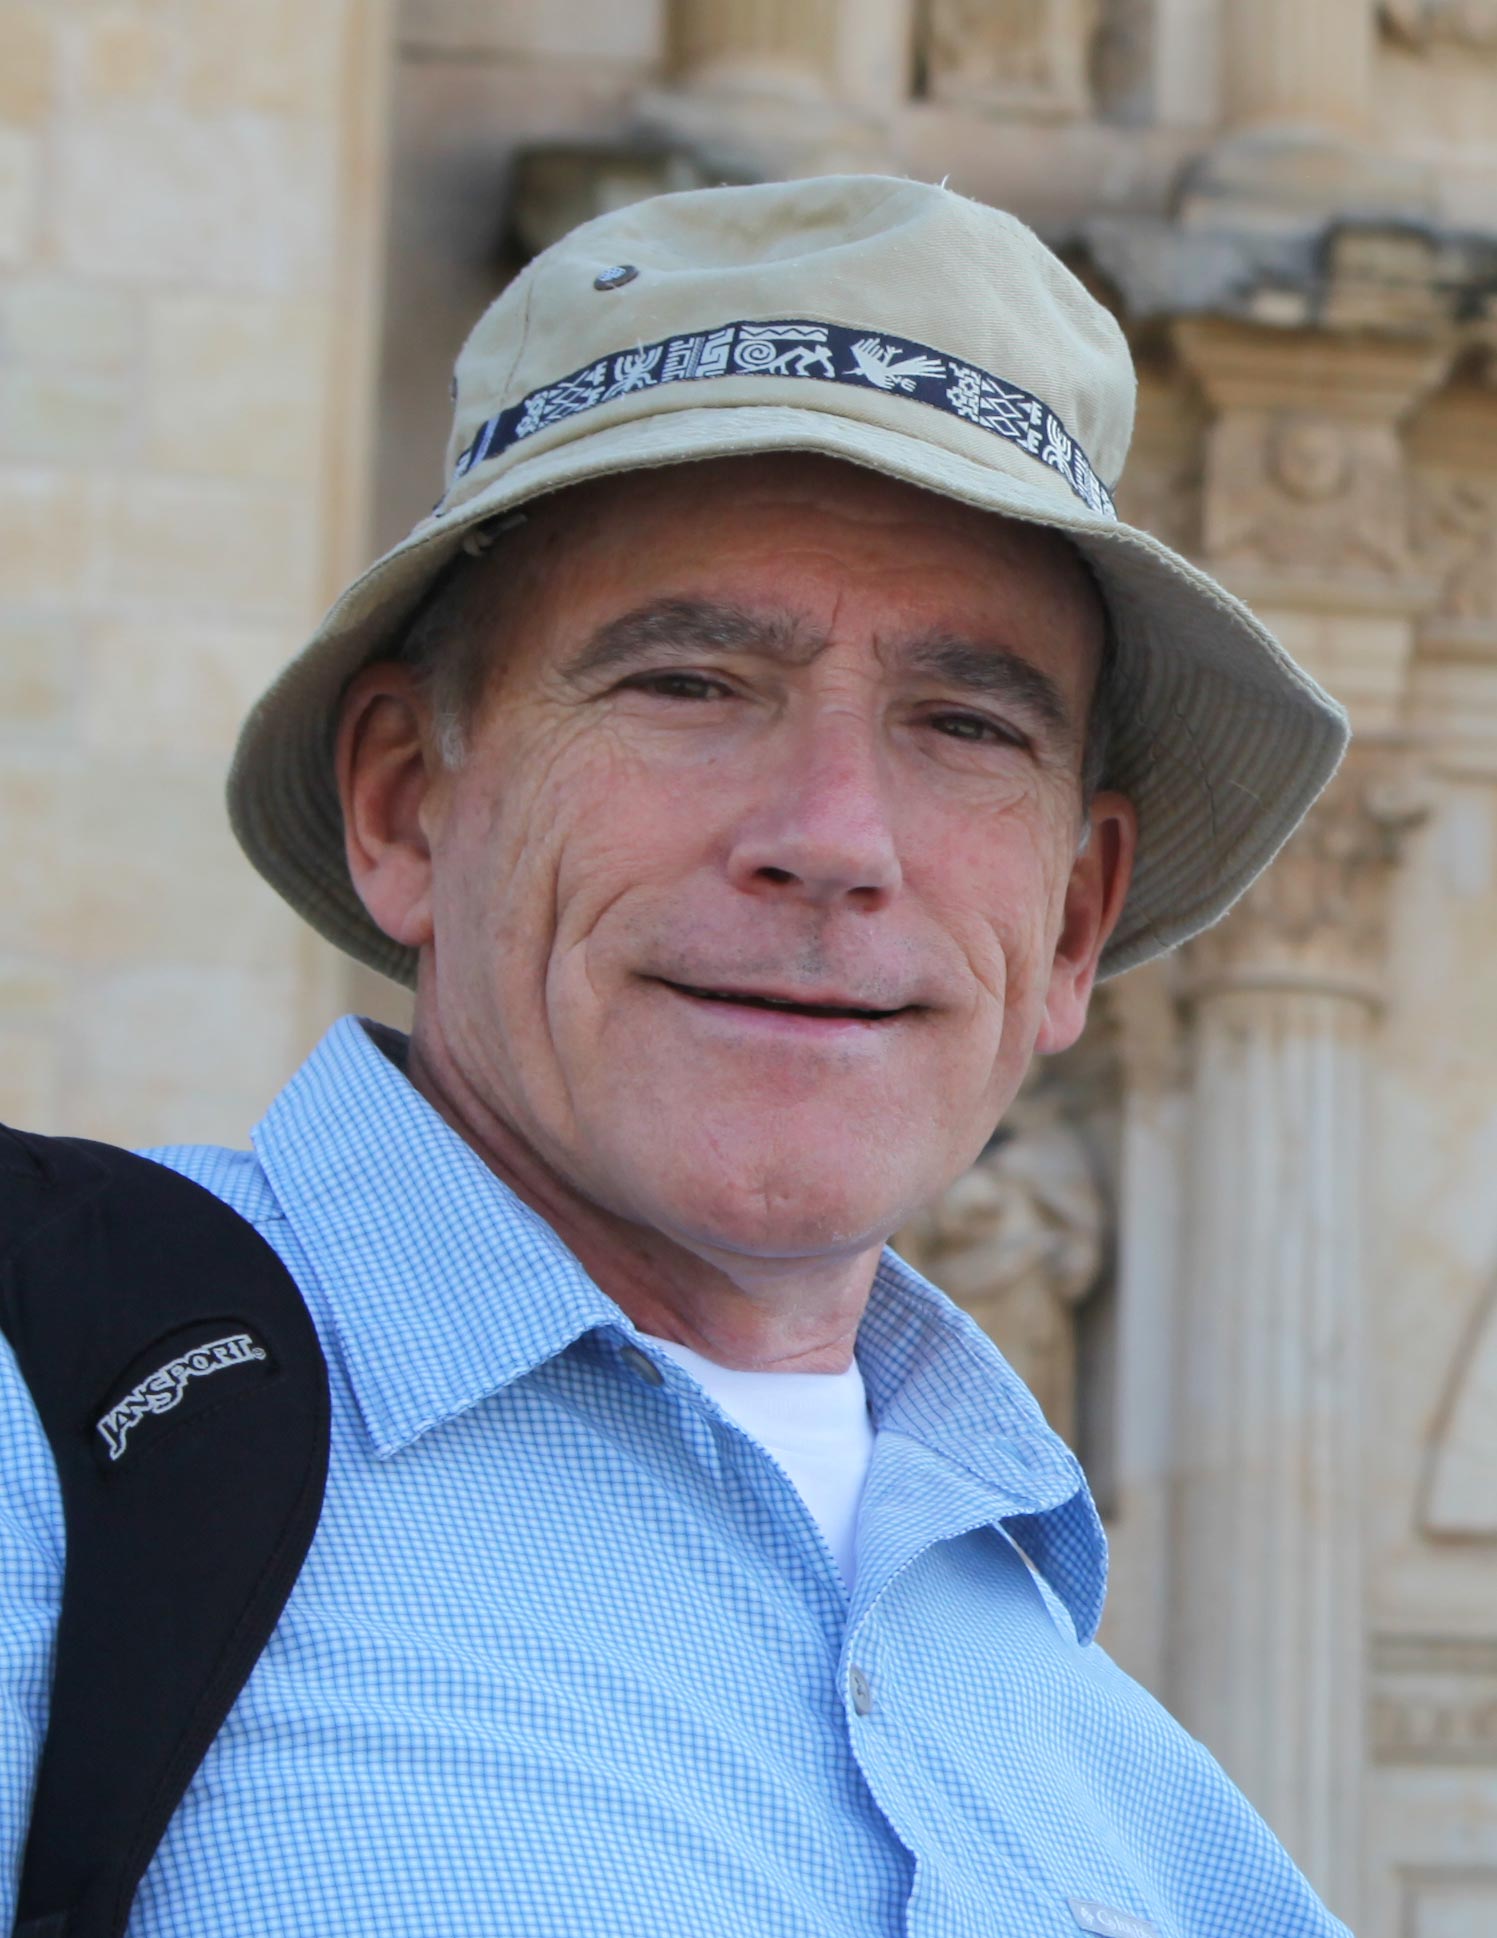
x=823, y=1007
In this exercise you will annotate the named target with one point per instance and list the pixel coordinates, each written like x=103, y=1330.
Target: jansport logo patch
x=161, y=1391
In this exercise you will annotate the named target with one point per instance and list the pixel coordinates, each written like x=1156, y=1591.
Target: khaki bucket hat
x=897, y=326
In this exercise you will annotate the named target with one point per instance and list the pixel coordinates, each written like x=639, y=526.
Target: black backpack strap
x=181, y=1383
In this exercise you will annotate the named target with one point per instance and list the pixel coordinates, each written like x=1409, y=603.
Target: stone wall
x=190, y=205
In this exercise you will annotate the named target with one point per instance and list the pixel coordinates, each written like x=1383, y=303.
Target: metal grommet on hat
x=616, y=277
x=479, y=539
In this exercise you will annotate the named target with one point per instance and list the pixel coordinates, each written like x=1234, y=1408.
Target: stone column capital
x=1305, y=507
x=1316, y=921
x=1363, y=379
x=759, y=90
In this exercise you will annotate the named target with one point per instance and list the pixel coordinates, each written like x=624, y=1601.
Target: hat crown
x=867, y=253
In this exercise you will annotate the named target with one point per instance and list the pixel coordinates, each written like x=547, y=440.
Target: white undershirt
x=815, y=1424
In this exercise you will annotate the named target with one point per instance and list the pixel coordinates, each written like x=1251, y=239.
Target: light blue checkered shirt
x=569, y=1654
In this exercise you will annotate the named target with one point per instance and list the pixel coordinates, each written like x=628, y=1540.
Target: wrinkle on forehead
x=619, y=517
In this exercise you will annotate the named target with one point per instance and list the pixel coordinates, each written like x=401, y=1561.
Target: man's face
x=745, y=905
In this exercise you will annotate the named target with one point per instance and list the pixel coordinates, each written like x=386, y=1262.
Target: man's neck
x=757, y=1314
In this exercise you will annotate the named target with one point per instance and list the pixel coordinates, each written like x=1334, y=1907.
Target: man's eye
x=678, y=686
x=973, y=726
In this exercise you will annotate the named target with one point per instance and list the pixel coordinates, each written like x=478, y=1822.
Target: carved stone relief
x=1295, y=490
x=1434, y=1700
x=1320, y=910
x=1459, y=1497
x=1455, y=540
x=1013, y=56
x=1019, y=1241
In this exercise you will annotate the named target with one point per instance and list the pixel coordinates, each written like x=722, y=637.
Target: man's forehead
x=735, y=530
x=743, y=485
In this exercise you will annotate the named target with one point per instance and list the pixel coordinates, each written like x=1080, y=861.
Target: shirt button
x=862, y=1691
x=641, y=1364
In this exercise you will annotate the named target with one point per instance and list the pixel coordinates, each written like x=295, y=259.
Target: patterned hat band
x=821, y=353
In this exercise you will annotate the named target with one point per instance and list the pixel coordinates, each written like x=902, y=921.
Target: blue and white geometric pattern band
x=824, y=352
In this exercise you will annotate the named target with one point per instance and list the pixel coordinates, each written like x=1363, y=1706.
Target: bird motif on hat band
x=801, y=350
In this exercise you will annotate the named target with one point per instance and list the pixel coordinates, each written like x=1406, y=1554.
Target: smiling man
x=766, y=841
x=752, y=763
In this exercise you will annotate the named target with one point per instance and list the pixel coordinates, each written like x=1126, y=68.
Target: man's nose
x=819, y=829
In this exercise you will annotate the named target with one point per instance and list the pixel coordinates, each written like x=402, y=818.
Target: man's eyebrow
x=997, y=673
x=679, y=628
x=682, y=628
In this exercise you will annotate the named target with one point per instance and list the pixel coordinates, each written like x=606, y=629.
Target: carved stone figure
x=1019, y=1241
x=1455, y=538
x=1014, y=56
x=1309, y=458
x=1298, y=491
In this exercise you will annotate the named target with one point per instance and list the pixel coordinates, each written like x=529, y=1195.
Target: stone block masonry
x=190, y=205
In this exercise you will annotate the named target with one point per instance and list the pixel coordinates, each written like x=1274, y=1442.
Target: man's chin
x=800, y=1212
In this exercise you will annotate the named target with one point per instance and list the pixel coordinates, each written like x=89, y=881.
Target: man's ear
x=386, y=775
x=1095, y=895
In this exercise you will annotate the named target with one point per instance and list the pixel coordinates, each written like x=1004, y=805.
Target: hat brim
x=1221, y=742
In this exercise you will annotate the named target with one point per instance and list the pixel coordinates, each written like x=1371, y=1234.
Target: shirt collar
x=933, y=1373
x=442, y=1286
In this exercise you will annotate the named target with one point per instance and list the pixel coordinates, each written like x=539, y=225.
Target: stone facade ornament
x=1317, y=920
x=1027, y=57
x=1306, y=510
x=1297, y=489
x=1459, y=1496
x=1455, y=543
x=1455, y=538
x=1435, y=1703
x=1019, y=1241
x=1306, y=473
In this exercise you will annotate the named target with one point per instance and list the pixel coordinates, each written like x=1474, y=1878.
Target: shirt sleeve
x=31, y=1565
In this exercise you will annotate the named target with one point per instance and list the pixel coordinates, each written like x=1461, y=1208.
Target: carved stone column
x=1298, y=148
x=1024, y=57
x=1269, y=1648
x=755, y=44
x=782, y=87
x=1305, y=514
x=1287, y=64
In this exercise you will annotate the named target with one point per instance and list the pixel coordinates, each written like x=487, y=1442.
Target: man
x=748, y=810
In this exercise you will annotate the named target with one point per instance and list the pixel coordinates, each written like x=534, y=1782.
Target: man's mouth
x=828, y=1011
